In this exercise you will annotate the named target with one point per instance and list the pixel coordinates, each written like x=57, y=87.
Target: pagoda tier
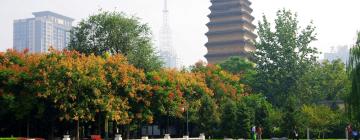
x=230, y=30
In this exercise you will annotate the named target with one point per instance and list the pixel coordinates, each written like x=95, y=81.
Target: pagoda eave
x=226, y=23
x=230, y=32
x=222, y=1
x=231, y=13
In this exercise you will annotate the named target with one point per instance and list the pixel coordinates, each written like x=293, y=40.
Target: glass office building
x=47, y=29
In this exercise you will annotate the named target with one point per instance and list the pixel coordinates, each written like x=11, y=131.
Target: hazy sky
x=337, y=21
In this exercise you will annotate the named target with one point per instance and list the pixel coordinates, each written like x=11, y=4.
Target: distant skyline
x=337, y=21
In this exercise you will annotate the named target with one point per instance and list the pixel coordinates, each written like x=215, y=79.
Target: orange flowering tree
x=17, y=93
x=82, y=87
x=223, y=83
x=128, y=84
x=173, y=91
x=87, y=88
x=215, y=112
x=73, y=83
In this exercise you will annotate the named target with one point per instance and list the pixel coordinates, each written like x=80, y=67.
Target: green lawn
x=7, y=138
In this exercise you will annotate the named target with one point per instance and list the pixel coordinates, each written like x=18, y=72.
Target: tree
x=17, y=91
x=84, y=87
x=283, y=55
x=238, y=65
x=208, y=116
x=172, y=91
x=353, y=69
x=125, y=83
x=67, y=85
x=275, y=122
x=15, y=75
x=319, y=118
x=245, y=116
x=229, y=119
x=228, y=90
x=115, y=33
x=327, y=81
x=337, y=84
x=260, y=110
x=241, y=66
x=237, y=117
x=224, y=84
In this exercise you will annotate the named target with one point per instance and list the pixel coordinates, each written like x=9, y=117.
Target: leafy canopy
x=115, y=32
x=283, y=55
x=353, y=67
x=326, y=81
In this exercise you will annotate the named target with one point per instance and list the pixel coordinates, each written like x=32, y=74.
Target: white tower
x=167, y=51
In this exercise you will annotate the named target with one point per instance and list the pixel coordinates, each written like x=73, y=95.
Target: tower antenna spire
x=167, y=51
x=165, y=6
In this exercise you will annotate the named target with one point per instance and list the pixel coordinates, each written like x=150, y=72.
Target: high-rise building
x=340, y=52
x=230, y=30
x=45, y=30
x=167, y=51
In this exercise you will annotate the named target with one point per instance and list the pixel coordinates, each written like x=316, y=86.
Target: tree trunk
x=127, y=132
x=52, y=129
x=106, y=129
x=113, y=128
x=140, y=129
x=167, y=123
x=27, y=128
x=99, y=124
x=146, y=129
x=77, y=130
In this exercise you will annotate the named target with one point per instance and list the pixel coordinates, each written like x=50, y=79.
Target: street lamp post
x=187, y=122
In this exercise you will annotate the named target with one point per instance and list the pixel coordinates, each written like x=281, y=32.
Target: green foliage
x=209, y=116
x=261, y=110
x=102, y=81
x=175, y=92
x=353, y=67
x=223, y=84
x=318, y=118
x=275, y=120
x=239, y=116
x=115, y=33
x=239, y=108
x=16, y=90
x=80, y=88
x=240, y=66
x=327, y=81
x=283, y=55
x=229, y=119
x=337, y=83
x=245, y=118
x=171, y=90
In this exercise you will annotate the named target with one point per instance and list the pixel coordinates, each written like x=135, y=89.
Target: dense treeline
x=353, y=99
x=288, y=73
x=112, y=80
x=73, y=90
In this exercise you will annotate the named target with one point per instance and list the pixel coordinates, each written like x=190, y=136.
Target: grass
x=7, y=138
x=290, y=139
